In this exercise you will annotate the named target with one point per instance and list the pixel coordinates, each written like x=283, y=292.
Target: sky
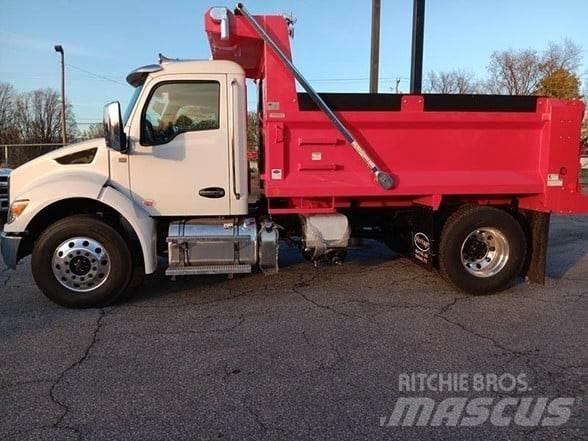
x=104, y=40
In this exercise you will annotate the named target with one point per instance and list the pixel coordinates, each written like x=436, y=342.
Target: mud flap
x=536, y=226
x=422, y=237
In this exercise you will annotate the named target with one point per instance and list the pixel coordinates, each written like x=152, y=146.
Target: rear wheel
x=482, y=249
x=81, y=262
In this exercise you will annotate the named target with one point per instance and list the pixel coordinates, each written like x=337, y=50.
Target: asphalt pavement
x=304, y=354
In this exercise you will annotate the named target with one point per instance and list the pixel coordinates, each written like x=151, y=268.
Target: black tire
x=116, y=281
x=136, y=281
x=456, y=231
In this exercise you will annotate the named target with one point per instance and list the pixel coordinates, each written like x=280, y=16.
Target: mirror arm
x=126, y=144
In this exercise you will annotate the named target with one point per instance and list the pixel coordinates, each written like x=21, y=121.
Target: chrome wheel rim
x=485, y=252
x=81, y=264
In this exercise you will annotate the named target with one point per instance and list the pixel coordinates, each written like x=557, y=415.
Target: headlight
x=16, y=209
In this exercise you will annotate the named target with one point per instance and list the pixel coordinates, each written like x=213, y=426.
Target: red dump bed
x=488, y=149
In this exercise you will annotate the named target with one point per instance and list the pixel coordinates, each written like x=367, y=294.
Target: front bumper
x=9, y=245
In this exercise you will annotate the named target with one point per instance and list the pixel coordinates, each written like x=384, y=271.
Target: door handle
x=212, y=192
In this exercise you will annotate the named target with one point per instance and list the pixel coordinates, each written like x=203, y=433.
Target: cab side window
x=175, y=108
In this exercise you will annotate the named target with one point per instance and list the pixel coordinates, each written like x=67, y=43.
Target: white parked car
x=4, y=173
x=584, y=157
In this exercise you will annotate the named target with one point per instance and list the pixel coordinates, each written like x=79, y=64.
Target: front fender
x=142, y=223
x=55, y=187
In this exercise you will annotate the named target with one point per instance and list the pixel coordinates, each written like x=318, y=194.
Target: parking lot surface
x=304, y=354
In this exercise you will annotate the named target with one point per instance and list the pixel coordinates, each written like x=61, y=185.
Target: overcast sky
x=105, y=39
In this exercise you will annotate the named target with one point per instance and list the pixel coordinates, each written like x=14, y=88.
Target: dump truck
x=462, y=184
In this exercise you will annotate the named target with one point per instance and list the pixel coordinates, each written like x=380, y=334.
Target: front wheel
x=81, y=262
x=482, y=249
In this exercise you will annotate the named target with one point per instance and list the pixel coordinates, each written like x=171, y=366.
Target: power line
x=42, y=76
x=102, y=77
x=381, y=79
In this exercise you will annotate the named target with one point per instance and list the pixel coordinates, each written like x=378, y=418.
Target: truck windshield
x=131, y=105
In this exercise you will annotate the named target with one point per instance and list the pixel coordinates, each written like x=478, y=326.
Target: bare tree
x=37, y=117
x=561, y=56
x=456, y=81
x=8, y=132
x=514, y=72
x=95, y=130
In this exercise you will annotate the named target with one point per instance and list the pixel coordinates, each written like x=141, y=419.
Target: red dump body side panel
x=485, y=156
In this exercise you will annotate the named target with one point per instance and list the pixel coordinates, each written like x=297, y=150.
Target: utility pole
x=375, y=47
x=58, y=48
x=418, y=32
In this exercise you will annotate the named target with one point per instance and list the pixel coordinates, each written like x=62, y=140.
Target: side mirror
x=113, y=128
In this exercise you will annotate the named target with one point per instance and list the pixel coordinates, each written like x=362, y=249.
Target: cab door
x=179, y=155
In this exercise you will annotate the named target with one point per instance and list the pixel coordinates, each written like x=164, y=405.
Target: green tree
x=560, y=84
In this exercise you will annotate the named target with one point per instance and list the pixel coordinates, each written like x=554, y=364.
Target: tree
x=559, y=64
x=561, y=56
x=522, y=72
x=561, y=83
x=38, y=117
x=8, y=132
x=456, y=81
x=514, y=72
x=95, y=130
x=252, y=131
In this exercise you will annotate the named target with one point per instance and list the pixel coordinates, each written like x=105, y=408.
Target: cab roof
x=138, y=76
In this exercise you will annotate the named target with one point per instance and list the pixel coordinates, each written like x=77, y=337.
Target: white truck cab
x=171, y=177
x=186, y=123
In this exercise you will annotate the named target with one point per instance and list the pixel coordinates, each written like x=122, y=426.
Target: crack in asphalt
x=441, y=314
x=8, y=276
x=52, y=392
x=296, y=288
x=258, y=420
x=388, y=305
x=330, y=308
x=321, y=305
x=337, y=357
x=526, y=355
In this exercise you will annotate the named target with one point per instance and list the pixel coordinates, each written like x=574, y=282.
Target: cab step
x=207, y=269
